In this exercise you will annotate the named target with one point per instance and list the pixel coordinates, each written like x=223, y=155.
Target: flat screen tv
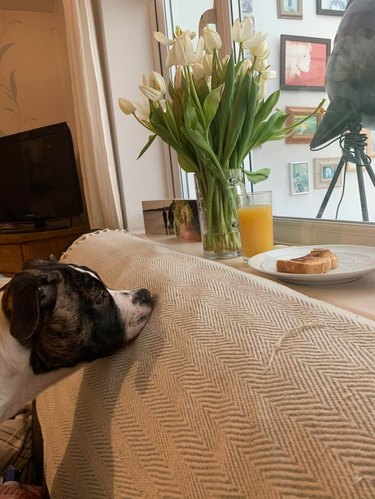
x=38, y=176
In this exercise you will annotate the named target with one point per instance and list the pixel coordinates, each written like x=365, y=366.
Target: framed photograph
x=331, y=7
x=370, y=147
x=304, y=133
x=324, y=170
x=303, y=62
x=247, y=6
x=289, y=9
x=299, y=178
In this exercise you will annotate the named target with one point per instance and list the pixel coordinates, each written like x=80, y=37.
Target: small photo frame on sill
x=324, y=170
x=303, y=133
x=299, y=178
x=303, y=62
x=331, y=7
x=289, y=9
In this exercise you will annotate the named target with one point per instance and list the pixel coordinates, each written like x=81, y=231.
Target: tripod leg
x=331, y=187
x=367, y=165
x=361, y=185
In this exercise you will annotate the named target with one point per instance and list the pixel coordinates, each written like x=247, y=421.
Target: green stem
x=221, y=236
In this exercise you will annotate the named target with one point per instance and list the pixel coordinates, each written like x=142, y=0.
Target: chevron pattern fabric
x=238, y=387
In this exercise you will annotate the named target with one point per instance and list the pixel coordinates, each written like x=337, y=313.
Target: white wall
x=39, y=90
x=129, y=51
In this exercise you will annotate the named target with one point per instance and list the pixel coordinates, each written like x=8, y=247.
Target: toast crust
x=318, y=261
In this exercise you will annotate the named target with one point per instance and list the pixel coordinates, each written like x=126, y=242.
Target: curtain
x=100, y=182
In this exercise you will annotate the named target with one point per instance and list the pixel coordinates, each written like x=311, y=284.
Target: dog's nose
x=142, y=295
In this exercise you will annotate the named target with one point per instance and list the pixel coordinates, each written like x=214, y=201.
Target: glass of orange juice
x=256, y=224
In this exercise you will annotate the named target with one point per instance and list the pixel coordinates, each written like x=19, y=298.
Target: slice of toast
x=318, y=261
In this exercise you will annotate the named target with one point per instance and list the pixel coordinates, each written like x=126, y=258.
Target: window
x=295, y=216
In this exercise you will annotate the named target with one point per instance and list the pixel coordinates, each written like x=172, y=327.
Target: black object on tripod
x=353, y=146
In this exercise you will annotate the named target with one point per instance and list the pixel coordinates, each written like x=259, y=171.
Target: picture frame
x=247, y=7
x=370, y=148
x=304, y=133
x=303, y=61
x=289, y=9
x=299, y=178
x=331, y=7
x=324, y=170
x=370, y=144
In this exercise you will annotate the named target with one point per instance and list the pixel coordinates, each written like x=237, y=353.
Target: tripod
x=354, y=147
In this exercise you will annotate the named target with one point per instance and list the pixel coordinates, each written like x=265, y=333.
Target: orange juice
x=256, y=229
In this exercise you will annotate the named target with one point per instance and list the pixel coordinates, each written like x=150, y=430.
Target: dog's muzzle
x=135, y=309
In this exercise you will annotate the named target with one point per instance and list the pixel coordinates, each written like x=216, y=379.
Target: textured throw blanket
x=238, y=387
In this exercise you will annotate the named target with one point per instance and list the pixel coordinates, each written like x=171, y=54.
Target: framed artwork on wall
x=324, y=170
x=289, y=9
x=303, y=133
x=247, y=6
x=303, y=62
x=299, y=178
x=370, y=147
x=331, y=7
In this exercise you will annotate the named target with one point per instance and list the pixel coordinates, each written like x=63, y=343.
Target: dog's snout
x=142, y=295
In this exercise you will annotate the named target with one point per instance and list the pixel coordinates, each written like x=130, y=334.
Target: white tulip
x=143, y=110
x=178, y=78
x=153, y=87
x=127, y=106
x=157, y=82
x=269, y=74
x=161, y=38
x=212, y=40
x=198, y=71
x=150, y=93
x=242, y=30
x=261, y=51
x=182, y=52
x=254, y=40
x=207, y=64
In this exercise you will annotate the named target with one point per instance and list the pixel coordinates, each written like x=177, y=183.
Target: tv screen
x=38, y=176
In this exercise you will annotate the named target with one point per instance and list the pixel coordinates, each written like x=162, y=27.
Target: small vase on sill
x=217, y=208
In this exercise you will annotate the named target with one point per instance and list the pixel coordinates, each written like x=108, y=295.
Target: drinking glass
x=256, y=224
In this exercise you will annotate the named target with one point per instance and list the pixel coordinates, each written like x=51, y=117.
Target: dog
x=54, y=317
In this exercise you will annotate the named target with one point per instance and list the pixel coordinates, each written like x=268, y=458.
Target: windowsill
x=357, y=296
x=316, y=231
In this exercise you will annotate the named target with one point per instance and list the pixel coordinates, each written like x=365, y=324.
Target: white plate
x=354, y=262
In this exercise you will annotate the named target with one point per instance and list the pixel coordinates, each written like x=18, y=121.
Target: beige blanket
x=237, y=387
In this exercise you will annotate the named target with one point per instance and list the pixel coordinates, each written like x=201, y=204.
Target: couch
x=238, y=387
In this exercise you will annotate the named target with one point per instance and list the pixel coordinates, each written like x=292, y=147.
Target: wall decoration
x=370, y=148
x=247, y=6
x=324, y=170
x=299, y=178
x=9, y=91
x=303, y=62
x=289, y=9
x=304, y=133
x=331, y=7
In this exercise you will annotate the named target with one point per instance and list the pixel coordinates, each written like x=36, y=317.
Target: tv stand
x=16, y=248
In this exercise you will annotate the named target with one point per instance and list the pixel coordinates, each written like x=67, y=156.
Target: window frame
x=287, y=230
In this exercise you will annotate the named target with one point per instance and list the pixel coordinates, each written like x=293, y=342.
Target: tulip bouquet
x=214, y=113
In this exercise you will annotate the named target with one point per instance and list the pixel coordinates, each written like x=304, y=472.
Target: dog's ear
x=24, y=299
x=32, y=264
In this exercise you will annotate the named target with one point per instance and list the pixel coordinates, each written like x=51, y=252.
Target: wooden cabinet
x=17, y=248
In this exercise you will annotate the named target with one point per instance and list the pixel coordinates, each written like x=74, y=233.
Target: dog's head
x=66, y=315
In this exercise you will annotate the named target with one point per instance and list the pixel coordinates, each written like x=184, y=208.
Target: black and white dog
x=54, y=317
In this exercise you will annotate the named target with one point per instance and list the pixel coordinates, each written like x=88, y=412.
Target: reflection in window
x=280, y=155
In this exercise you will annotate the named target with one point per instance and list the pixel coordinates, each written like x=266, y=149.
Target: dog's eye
x=100, y=299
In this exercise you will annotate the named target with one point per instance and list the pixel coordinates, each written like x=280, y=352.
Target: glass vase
x=217, y=208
